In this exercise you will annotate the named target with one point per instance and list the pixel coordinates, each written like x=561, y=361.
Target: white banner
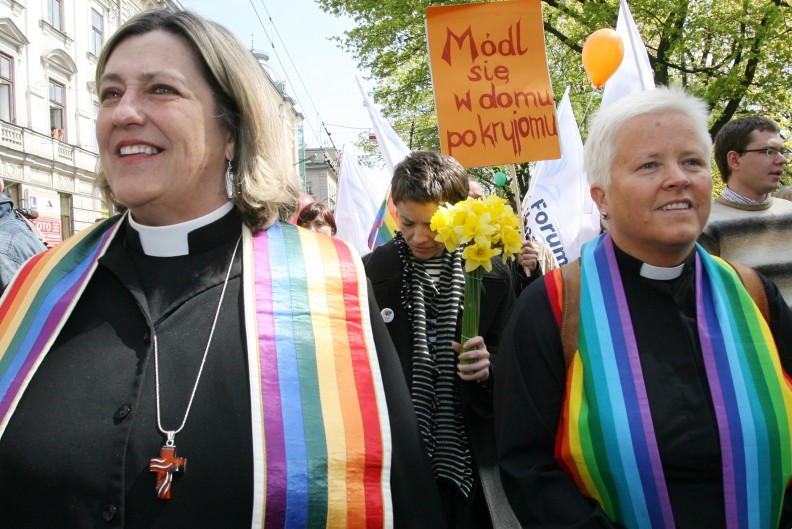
x=391, y=146
x=558, y=208
x=635, y=72
x=360, y=192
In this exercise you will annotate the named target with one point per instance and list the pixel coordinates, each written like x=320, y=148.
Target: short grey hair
x=600, y=148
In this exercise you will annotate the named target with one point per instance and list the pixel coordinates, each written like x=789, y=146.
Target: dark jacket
x=98, y=383
x=384, y=269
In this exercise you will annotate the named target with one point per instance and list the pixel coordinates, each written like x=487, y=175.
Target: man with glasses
x=747, y=224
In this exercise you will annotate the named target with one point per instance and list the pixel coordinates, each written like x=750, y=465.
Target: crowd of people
x=643, y=385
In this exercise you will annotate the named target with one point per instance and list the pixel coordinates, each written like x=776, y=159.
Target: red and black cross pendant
x=165, y=465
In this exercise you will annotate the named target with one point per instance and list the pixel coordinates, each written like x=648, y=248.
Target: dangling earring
x=230, y=185
x=604, y=215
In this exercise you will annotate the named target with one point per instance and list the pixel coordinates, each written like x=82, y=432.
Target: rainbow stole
x=36, y=305
x=321, y=434
x=324, y=454
x=606, y=441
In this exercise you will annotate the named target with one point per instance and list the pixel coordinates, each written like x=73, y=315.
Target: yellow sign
x=491, y=85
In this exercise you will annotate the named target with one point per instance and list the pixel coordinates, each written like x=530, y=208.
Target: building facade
x=321, y=174
x=290, y=118
x=49, y=106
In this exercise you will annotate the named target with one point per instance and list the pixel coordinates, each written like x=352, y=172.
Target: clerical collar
x=176, y=239
x=660, y=273
x=635, y=266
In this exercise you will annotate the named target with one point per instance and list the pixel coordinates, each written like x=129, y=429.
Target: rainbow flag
x=606, y=441
x=385, y=223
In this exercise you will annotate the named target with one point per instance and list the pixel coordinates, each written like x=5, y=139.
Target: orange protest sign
x=491, y=85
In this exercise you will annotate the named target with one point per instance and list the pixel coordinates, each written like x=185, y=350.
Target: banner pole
x=518, y=200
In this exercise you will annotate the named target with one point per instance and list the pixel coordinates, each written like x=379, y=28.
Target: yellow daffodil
x=484, y=228
x=445, y=231
x=512, y=245
x=482, y=222
x=476, y=255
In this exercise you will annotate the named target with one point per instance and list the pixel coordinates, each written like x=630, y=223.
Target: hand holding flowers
x=485, y=228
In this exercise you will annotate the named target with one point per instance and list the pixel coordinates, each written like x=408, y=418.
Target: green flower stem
x=470, y=314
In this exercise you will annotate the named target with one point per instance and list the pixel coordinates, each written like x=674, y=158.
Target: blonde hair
x=265, y=187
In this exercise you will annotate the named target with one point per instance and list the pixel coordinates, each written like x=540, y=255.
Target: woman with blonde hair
x=197, y=326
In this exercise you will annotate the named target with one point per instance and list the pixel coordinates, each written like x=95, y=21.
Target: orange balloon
x=602, y=54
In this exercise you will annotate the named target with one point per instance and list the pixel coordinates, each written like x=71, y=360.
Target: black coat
x=76, y=452
x=384, y=269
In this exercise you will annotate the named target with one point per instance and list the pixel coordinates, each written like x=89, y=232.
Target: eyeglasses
x=771, y=152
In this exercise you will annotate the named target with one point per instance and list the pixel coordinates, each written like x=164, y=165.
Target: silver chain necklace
x=167, y=463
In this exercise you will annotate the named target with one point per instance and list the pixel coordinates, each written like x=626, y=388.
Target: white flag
x=393, y=150
x=360, y=192
x=558, y=208
x=391, y=146
x=635, y=72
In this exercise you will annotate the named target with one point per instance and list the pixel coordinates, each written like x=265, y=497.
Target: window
x=6, y=88
x=57, y=110
x=66, y=215
x=97, y=32
x=12, y=190
x=55, y=14
x=95, y=117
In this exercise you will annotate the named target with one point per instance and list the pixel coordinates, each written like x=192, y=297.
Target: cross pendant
x=165, y=465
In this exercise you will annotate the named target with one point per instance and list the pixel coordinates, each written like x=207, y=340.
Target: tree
x=735, y=54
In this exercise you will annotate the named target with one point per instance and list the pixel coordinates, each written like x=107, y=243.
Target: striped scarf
x=321, y=434
x=434, y=391
x=606, y=440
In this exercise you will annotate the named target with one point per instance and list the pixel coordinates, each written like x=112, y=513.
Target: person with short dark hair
x=747, y=224
x=18, y=243
x=317, y=217
x=419, y=286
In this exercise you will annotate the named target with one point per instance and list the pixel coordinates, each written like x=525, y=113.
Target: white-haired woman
x=198, y=327
x=667, y=403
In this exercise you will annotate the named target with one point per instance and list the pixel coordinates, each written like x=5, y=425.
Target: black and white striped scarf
x=433, y=308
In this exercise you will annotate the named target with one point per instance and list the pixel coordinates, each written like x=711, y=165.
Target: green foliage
x=733, y=53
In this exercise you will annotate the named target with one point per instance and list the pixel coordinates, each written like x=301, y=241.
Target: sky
x=319, y=75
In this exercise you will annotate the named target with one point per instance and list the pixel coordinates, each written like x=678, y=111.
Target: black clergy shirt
x=530, y=392
x=76, y=452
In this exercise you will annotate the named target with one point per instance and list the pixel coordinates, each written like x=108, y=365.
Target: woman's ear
x=230, y=147
x=599, y=197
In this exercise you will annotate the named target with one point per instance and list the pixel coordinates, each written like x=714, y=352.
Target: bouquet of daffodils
x=485, y=228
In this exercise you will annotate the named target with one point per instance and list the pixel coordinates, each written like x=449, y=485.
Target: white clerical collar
x=172, y=241
x=659, y=273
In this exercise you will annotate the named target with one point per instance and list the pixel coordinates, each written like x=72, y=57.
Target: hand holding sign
x=602, y=54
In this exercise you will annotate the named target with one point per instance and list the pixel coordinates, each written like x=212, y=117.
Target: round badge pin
x=387, y=315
